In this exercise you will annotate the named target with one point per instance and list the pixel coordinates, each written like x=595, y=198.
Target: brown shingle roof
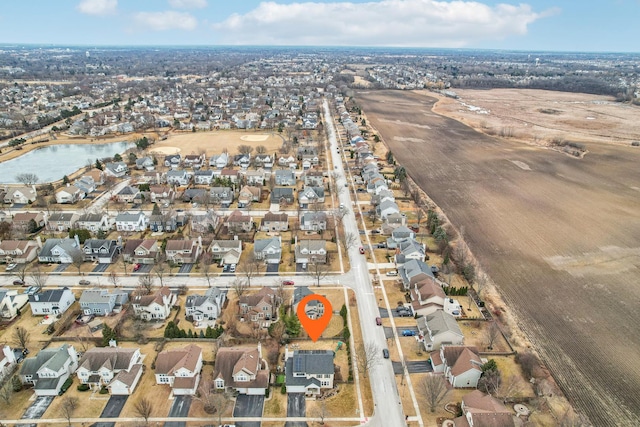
x=169, y=361
x=146, y=300
x=462, y=358
x=226, y=362
x=487, y=411
x=265, y=294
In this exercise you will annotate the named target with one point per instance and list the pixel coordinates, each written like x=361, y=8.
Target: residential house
x=180, y=368
x=313, y=178
x=59, y=251
x=309, y=371
x=241, y=369
x=195, y=195
x=231, y=175
x=461, y=365
x=222, y=196
x=219, y=161
x=282, y=196
x=22, y=220
x=427, y=296
x=177, y=177
x=313, y=221
x=239, y=222
x=18, y=251
x=11, y=302
x=206, y=307
x=226, y=251
x=62, y=221
x=119, y=369
x=242, y=160
x=141, y=251
x=128, y=194
x=439, y=328
x=162, y=223
x=274, y=221
x=161, y=194
x=309, y=251
x=414, y=271
x=259, y=307
x=101, y=250
x=20, y=194
x=268, y=250
x=116, y=169
x=145, y=163
x=310, y=196
x=156, y=306
x=409, y=249
x=86, y=184
x=195, y=161
x=314, y=308
x=203, y=177
x=384, y=195
x=8, y=362
x=69, y=194
x=173, y=161
x=479, y=410
x=387, y=208
x=204, y=223
x=287, y=161
x=126, y=221
x=256, y=177
x=102, y=302
x=285, y=177
x=49, y=369
x=96, y=174
x=51, y=302
x=400, y=234
x=183, y=251
x=95, y=222
x=264, y=161
x=249, y=194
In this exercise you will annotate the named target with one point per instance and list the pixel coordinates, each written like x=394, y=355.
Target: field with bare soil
x=559, y=237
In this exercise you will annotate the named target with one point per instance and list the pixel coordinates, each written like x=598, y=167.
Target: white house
x=207, y=306
x=20, y=194
x=59, y=250
x=226, y=251
x=269, y=250
x=311, y=251
x=11, y=302
x=69, y=194
x=95, y=222
x=439, y=328
x=309, y=371
x=8, y=362
x=49, y=369
x=241, y=369
x=180, y=368
x=117, y=368
x=177, y=177
x=51, y=302
x=155, y=306
x=131, y=221
x=116, y=169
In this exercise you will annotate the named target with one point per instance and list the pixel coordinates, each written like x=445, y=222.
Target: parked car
x=232, y=268
x=361, y=249
x=84, y=282
x=11, y=266
x=18, y=282
x=408, y=333
x=31, y=290
x=385, y=353
x=392, y=273
x=287, y=282
x=403, y=312
x=376, y=231
x=136, y=267
x=378, y=321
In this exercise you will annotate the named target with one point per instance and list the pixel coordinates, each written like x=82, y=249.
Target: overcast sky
x=565, y=25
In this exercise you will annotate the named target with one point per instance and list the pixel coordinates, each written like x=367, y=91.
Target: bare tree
x=261, y=149
x=124, y=265
x=145, y=284
x=113, y=278
x=490, y=382
x=528, y=363
x=491, y=334
x=510, y=387
x=250, y=266
x=205, y=266
x=21, y=271
x=481, y=280
x=77, y=259
x=160, y=269
x=143, y=408
x=21, y=337
x=68, y=406
x=367, y=356
x=245, y=149
x=213, y=401
x=434, y=390
x=321, y=411
x=318, y=270
x=349, y=240
x=27, y=178
x=38, y=278
x=6, y=392
x=338, y=216
x=239, y=286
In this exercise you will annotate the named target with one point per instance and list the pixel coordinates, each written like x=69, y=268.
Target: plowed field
x=559, y=236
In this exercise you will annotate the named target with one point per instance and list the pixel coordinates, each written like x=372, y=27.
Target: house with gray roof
x=409, y=249
x=95, y=222
x=269, y=250
x=10, y=303
x=49, y=369
x=102, y=302
x=414, y=271
x=59, y=250
x=116, y=169
x=222, y=196
x=309, y=371
x=62, y=221
x=285, y=177
x=386, y=208
x=314, y=308
x=128, y=194
x=206, y=307
x=126, y=221
x=177, y=177
x=282, y=196
x=310, y=196
x=439, y=328
x=51, y=302
x=275, y=221
x=102, y=250
x=313, y=221
x=241, y=369
x=311, y=251
x=226, y=251
x=145, y=163
x=204, y=177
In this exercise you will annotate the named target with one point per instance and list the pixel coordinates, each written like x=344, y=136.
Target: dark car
x=408, y=333
x=385, y=353
x=84, y=282
x=136, y=267
x=403, y=312
x=18, y=282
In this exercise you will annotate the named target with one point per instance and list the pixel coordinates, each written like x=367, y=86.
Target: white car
x=392, y=273
x=11, y=266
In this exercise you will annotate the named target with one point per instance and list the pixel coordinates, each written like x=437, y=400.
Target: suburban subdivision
x=154, y=263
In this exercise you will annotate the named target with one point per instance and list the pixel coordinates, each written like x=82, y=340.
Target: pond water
x=55, y=161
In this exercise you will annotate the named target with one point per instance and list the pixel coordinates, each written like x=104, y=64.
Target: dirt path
x=558, y=235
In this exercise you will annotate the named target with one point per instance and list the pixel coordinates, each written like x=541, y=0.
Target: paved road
x=248, y=406
x=296, y=407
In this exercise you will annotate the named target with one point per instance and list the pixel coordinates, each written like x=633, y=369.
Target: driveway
x=296, y=407
x=413, y=366
x=144, y=268
x=112, y=410
x=185, y=269
x=248, y=406
x=383, y=313
x=101, y=268
x=272, y=269
x=388, y=332
x=179, y=408
x=299, y=268
x=60, y=268
x=37, y=408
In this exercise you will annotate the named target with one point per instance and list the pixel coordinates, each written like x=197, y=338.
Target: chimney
x=259, y=350
x=112, y=343
x=36, y=297
x=77, y=240
x=235, y=237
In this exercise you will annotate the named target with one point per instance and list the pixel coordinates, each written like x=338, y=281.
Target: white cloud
x=168, y=20
x=98, y=7
x=415, y=23
x=188, y=4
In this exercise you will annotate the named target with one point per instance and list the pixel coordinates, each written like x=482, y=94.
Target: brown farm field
x=559, y=236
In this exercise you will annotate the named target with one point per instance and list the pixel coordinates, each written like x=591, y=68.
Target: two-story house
x=102, y=250
x=18, y=251
x=161, y=194
x=400, y=234
x=479, y=409
x=313, y=309
x=62, y=221
x=313, y=178
x=249, y=194
x=173, y=161
x=95, y=222
x=59, y=251
x=257, y=177
x=309, y=371
x=116, y=169
x=20, y=194
x=219, y=161
x=51, y=302
x=281, y=196
x=145, y=163
x=439, y=328
x=309, y=251
x=203, y=177
x=156, y=306
x=222, y=196
x=8, y=362
x=126, y=221
x=49, y=369
x=427, y=296
x=177, y=177
x=22, y=220
x=239, y=222
x=461, y=365
x=285, y=177
x=69, y=194
x=11, y=302
x=414, y=271
x=180, y=368
x=195, y=161
x=259, y=307
x=204, y=223
x=231, y=175
x=313, y=221
x=119, y=369
x=310, y=196
x=206, y=307
x=102, y=302
x=268, y=250
x=226, y=251
x=162, y=223
x=242, y=370
x=409, y=249
x=128, y=194
x=183, y=251
x=275, y=221
x=141, y=251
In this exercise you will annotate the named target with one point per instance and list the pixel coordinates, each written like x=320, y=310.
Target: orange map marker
x=314, y=327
